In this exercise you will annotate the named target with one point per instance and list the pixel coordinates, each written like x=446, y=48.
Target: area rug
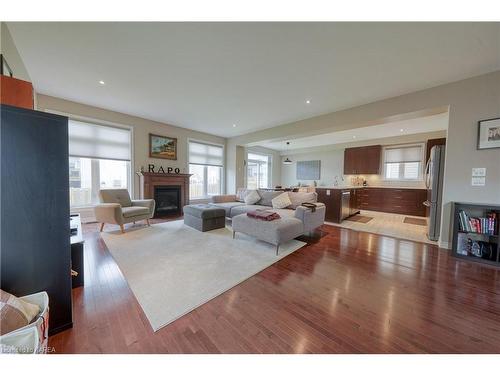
x=415, y=221
x=360, y=219
x=172, y=268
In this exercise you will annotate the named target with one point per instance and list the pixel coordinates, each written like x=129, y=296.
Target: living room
x=250, y=187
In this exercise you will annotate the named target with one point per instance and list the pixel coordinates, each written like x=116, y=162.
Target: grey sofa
x=116, y=207
x=295, y=219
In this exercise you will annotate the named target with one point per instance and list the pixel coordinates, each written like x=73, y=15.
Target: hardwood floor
x=346, y=292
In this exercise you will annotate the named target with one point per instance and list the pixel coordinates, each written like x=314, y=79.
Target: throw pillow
x=266, y=197
x=281, y=201
x=15, y=313
x=299, y=198
x=252, y=197
x=240, y=194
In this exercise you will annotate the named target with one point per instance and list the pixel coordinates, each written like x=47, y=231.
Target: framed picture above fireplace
x=162, y=147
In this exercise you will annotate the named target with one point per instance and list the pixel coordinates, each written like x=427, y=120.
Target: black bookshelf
x=477, y=246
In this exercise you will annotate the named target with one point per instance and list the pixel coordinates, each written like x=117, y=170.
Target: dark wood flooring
x=346, y=292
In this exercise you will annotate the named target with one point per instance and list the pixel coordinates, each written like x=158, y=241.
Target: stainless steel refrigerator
x=434, y=172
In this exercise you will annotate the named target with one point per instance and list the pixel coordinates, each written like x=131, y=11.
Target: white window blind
x=403, y=154
x=93, y=141
x=206, y=154
x=403, y=162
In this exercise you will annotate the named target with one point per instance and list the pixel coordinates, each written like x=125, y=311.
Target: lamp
x=287, y=160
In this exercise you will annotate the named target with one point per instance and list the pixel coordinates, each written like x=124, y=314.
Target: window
x=403, y=162
x=258, y=171
x=99, y=159
x=205, y=164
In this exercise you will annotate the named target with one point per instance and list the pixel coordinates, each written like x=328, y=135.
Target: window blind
x=93, y=141
x=403, y=154
x=206, y=154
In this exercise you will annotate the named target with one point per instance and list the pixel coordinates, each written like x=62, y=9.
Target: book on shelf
x=482, y=225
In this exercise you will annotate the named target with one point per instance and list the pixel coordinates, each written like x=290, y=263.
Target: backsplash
x=377, y=180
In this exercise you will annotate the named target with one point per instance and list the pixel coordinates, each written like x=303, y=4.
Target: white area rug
x=172, y=268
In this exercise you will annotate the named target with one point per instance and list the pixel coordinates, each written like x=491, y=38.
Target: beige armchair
x=116, y=207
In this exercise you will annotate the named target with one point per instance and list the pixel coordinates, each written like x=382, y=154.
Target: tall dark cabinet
x=35, y=240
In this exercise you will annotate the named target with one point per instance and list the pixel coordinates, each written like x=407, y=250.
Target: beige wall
x=332, y=161
x=141, y=129
x=9, y=50
x=468, y=100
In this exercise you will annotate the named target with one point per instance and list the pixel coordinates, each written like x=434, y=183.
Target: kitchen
x=389, y=186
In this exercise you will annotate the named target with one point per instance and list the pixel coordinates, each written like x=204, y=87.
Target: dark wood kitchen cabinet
x=362, y=160
x=332, y=198
x=392, y=200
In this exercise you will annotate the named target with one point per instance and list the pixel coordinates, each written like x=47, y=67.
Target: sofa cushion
x=134, y=211
x=299, y=198
x=281, y=201
x=240, y=194
x=267, y=197
x=15, y=313
x=252, y=197
x=227, y=206
x=120, y=196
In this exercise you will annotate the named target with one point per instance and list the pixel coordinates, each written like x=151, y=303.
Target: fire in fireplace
x=168, y=200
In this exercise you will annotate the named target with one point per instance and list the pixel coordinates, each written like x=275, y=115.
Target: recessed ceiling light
x=354, y=136
x=308, y=101
x=401, y=130
x=234, y=125
x=101, y=82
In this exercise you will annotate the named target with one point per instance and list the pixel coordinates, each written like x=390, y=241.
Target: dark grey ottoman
x=204, y=217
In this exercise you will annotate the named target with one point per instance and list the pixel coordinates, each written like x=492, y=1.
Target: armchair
x=116, y=207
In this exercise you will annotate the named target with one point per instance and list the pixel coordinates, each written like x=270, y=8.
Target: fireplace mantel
x=149, y=180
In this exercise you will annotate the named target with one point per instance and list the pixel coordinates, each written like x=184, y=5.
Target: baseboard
x=444, y=245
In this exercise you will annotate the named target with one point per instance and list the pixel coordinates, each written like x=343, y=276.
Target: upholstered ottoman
x=204, y=217
x=275, y=232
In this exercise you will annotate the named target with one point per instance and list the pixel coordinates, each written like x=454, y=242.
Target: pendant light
x=287, y=160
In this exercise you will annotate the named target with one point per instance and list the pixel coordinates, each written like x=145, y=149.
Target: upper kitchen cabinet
x=362, y=160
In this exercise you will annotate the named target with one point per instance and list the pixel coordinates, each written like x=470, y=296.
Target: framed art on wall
x=162, y=147
x=488, y=134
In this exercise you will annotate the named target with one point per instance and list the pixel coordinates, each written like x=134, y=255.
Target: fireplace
x=168, y=200
x=169, y=190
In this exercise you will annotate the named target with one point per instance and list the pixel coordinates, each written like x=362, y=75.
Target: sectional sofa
x=295, y=219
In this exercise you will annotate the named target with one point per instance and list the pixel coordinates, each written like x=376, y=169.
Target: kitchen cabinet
x=362, y=160
x=393, y=200
x=332, y=198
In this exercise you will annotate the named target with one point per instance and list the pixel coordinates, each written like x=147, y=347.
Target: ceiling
x=209, y=76
x=386, y=130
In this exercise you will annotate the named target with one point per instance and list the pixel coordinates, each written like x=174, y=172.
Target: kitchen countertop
x=370, y=186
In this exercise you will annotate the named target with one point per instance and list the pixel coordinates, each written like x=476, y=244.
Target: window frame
x=205, y=172
x=95, y=170
x=259, y=162
x=400, y=177
x=130, y=128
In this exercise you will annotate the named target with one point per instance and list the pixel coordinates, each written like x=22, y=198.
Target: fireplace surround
x=167, y=189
